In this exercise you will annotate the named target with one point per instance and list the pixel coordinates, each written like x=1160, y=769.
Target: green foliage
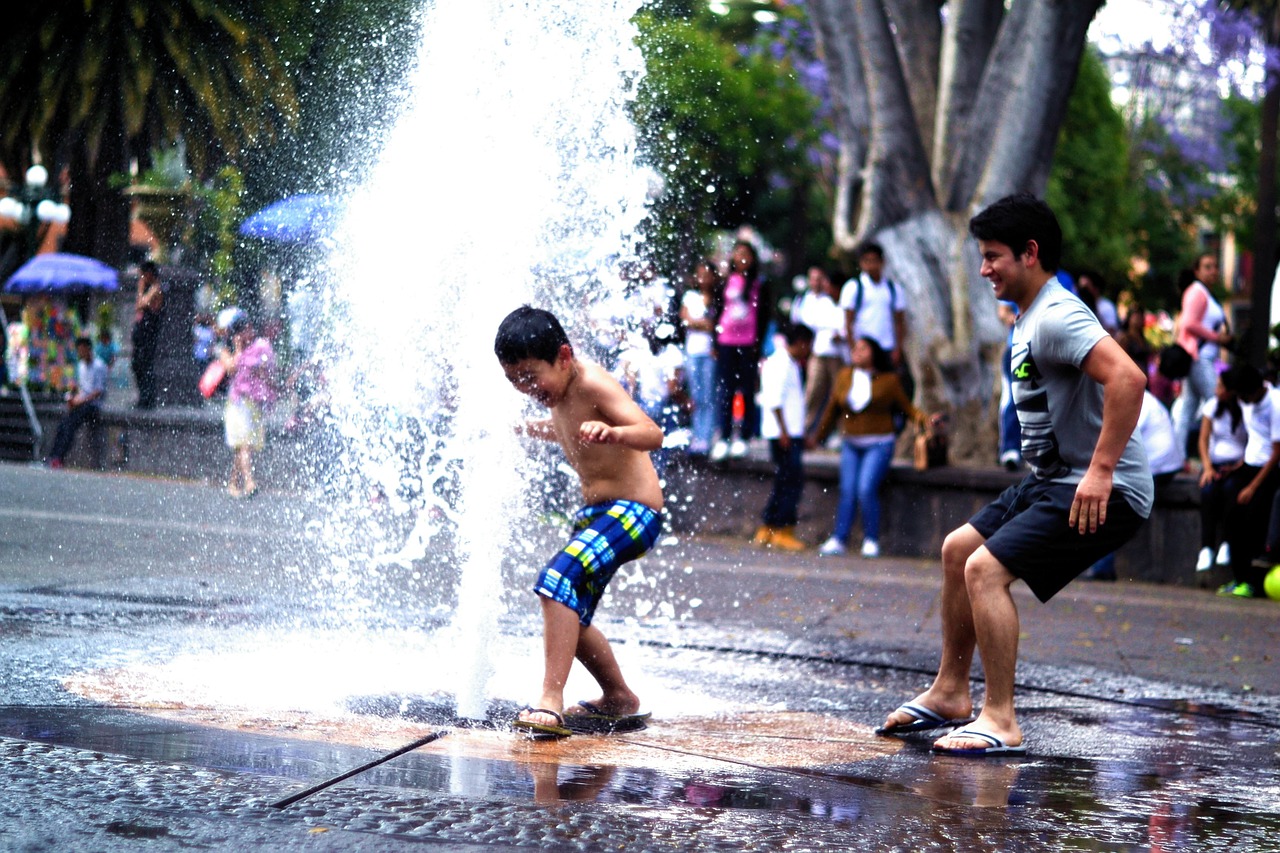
x=1089, y=184
x=726, y=128
x=1168, y=212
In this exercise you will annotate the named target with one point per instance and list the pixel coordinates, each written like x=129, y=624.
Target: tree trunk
x=99, y=225
x=999, y=95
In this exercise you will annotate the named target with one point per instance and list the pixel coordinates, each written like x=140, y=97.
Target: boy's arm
x=1247, y=493
x=542, y=430
x=623, y=422
x=1122, y=384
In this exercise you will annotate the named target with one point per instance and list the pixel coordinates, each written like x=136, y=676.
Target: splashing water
x=509, y=178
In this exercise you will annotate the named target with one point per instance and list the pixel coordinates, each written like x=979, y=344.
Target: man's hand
x=1089, y=509
x=597, y=432
x=785, y=441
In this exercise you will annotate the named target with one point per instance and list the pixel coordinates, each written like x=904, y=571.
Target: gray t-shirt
x=1059, y=406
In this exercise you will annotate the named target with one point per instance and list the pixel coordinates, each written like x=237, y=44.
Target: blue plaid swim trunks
x=606, y=535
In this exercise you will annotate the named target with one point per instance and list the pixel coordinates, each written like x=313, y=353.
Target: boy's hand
x=597, y=432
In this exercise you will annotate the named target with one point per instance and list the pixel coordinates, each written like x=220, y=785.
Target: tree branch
x=837, y=37
x=898, y=184
x=1023, y=97
x=917, y=28
x=967, y=39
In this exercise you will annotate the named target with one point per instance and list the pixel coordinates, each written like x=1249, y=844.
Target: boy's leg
x=995, y=623
x=597, y=656
x=949, y=696
x=560, y=634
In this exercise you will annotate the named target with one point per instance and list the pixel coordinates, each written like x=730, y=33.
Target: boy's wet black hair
x=529, y=332
x=795, y=332
x=1016, y=219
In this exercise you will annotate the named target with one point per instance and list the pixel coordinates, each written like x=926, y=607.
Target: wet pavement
x=174, y=663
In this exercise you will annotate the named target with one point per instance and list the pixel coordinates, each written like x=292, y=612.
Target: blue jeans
x=1197, y=388
x=738, y=369
x=701, y=371
x=783, y=508
x=862, y=470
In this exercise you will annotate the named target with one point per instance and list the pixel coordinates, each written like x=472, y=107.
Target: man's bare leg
x=597, y=656
x=949, y=696
x=995, y=619
x=560, y=635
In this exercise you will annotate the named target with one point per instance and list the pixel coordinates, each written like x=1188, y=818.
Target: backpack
x=857, y=299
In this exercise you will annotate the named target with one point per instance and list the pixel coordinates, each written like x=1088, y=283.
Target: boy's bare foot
x=619, y=705
x=540, y=716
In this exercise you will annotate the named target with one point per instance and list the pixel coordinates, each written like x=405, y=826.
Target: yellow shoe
x=784, y=539
x=763, y=536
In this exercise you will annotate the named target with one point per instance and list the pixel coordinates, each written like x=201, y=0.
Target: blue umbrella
x=61, y=272
x=296, y=219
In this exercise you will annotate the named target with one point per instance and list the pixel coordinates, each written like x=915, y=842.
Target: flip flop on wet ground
x=541, y=730
x=592, y=720
x=994, y=745
x=923, y=720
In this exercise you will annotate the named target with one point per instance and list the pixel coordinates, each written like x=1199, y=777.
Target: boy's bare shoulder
x=596, y=380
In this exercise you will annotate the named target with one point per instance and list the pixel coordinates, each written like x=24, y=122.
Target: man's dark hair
x=796, y=332
x=529, y=332
x=1017, y=219
x=871, y=248
x=83, y=341
x=149, y=268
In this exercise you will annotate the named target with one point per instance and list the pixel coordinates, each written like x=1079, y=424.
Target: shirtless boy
x=606, y=438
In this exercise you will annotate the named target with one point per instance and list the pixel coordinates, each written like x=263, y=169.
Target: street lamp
x=33, y=208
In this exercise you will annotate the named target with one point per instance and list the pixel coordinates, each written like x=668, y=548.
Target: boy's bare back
x=606, y=438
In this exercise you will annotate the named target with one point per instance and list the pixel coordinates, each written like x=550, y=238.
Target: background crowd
x=724, y=367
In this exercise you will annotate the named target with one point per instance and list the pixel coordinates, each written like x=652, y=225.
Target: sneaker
x=719, y=451
x=55, y=463
x=1205, y=561
x=1243, y=590
x=738, y=449
x=764, y=535
x=1224, y=554
x=784, y=539
x=833, y=547
x=870, y=549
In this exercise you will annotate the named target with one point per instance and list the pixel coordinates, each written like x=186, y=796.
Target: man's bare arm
x=1122, y=384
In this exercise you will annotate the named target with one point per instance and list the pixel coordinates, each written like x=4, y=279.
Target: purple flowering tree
x=940, y=108
x=1214, y=48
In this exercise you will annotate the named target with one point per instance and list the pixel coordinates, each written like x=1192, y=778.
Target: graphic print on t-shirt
x=1031, y=399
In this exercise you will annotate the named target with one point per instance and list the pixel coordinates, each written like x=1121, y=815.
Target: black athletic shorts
x=1026, y=530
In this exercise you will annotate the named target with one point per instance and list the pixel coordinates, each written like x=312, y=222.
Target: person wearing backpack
x=876, y=307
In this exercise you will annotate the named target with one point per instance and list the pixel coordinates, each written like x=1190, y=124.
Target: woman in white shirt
x=1222, y=441
x=699, y=310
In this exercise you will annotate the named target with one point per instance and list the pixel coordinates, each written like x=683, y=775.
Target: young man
x=1078, y=396
x=782, y=422
x=606, y=438
x=84, y=402
x=874, y=306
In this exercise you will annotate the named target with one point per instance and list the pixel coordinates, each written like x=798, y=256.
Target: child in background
x=782, y=423
x=1222, y=442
